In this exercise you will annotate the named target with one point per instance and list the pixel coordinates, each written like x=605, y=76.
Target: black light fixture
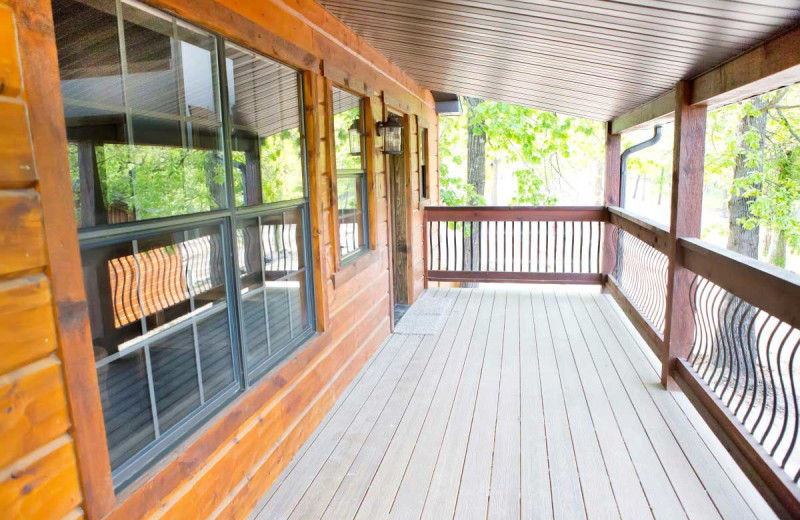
x=355, y=137
x=393, y=130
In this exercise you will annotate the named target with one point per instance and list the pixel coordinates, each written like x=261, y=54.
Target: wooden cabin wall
x=38, y=467
x=53, y=460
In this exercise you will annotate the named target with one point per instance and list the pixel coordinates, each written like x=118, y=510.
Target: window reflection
x=346, y=111
x=272, y=272
x=265, y=118
x=142, y=113
x=351, y=184
x=159, y=321
x=142, y=102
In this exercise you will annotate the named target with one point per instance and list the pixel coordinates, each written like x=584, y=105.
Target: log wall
x=54, y=463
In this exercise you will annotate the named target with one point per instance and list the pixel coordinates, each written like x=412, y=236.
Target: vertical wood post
x=686, y=209
x=315, y=193
x=333, y=187
x=424, y=246
x=611, y=197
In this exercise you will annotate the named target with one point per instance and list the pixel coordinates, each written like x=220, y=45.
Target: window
x=351, y=178
x=194, y=252
x=423, y=163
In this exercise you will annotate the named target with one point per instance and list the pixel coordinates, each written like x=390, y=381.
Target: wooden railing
x=742, y=368
x=638, y=278
x=514, y=244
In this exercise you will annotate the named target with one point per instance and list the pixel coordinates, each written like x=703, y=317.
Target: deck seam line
x=497, y=410
x=610, y=406
x=694, y=428
x=450, y=413
x=586, y=400
x=671, y=426
x=430, y=403
x=410, y=337
x=549, y=292
x=474, y=404
x=633, y=407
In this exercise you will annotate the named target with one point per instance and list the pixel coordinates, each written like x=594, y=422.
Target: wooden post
x=315, y=178
x=687, y=199
x=611, y=198
x=333, y=188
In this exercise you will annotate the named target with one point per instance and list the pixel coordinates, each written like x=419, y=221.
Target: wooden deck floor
x=532, y=402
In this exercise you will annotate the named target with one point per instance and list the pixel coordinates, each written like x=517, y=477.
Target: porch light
x=393, y=138
x=355, y=137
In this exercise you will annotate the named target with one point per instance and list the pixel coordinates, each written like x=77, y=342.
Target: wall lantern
x=355, y=137
x=393, y=130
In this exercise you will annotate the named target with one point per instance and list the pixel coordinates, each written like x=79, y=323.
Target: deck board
x=443, y=490
x=531, y=402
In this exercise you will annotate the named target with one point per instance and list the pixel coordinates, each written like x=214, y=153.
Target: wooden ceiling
x=590, y=58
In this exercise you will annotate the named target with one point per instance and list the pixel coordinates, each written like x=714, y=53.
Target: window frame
x=225, y=219
x=423, y=157
x=361, y=174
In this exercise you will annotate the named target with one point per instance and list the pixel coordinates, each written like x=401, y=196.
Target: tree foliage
x=543, y=147
x=772, y=185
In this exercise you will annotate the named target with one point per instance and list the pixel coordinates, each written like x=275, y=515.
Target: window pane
x=423, y=162
x=158, y=311
x=142, y=114
x=346, y=112
x=272, y=270
x=351, y=191
x=125, y=397
x=216, y=360
x=175, y=377
x=265, y=111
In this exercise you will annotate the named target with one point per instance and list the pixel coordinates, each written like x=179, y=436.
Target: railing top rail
x=648, y=231
x=639, y=220
x=767, y=287
x=516, y=213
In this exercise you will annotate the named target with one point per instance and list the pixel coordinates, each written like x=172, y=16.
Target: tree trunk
x=737, y=343
x=778, y=252
x=476, y=175
x=741, y=240
x=476, y=147
x=215, y=188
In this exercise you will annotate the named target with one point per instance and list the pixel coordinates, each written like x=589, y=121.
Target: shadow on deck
x=530, y=402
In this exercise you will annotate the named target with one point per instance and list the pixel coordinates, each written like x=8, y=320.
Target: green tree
x=542, y=142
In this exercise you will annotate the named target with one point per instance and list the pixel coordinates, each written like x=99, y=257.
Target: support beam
x=770, y=66
x=656, y=111
x=611, y=198
x=687, y=201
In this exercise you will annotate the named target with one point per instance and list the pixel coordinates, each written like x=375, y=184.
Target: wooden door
x=398, y=176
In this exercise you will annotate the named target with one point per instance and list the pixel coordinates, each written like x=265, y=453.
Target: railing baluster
x=505, y=247
x=439, y=243
x=513, y=239
x=495, y=246
x=580, y=258
x=563, y=247
x=599, y=241
x=463, y=245
x=572, y=250
x=548, y=233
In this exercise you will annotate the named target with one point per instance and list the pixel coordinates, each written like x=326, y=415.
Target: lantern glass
x=393, y=142
x=393, y=136
x=355, y=138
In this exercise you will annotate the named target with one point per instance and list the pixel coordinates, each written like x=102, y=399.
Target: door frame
x=406, y=158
